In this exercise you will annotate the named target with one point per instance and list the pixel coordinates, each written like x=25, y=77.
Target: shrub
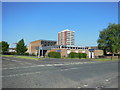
x=84, y=55
x=77, y=55
x=10, y=53
x=80, y=55
x=13, y=53
x=54, y=54
x=26, y=54
x=73, y=55
x=32, y=54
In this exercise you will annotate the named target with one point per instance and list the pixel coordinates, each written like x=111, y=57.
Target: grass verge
x=73, y=58
x=105, y=59
x=23, y=57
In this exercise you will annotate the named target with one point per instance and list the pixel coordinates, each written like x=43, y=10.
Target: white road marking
x=6, y=59
x=27, y=63
x=85, y=85
x=16, y=61
x=73, y=68
x=64, y=70
x=43, y=65
x=22, y=74
x=67, y=64
x=78, y=87
x=23, y=67
x=49, y=65
x=107, y=80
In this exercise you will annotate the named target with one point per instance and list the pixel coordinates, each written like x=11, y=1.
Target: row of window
x=73, y=47
x=48, y=42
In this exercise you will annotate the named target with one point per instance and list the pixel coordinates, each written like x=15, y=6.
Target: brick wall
x=98, y=52
x=63, y=52
x=33, y=45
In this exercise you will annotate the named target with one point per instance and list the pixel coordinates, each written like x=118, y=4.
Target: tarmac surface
x=58, y=73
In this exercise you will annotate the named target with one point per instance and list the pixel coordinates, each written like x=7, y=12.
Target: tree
x=4, y=46
x=109, y=39
x=21, y=48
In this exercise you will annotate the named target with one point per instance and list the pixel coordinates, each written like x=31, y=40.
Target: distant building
x=11, y=50
x=66, y=37
x=46, y=46
x=39, y=43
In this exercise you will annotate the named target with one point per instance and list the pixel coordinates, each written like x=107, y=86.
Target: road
x=58, y=73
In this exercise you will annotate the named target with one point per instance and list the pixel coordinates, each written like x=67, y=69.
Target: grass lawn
x=35, y=58
x=23, y=57
x=104, y=59
x=73, y=58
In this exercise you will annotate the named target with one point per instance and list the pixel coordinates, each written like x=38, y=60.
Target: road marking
x=44, y=65
x=107, y=80
x=22, y=74
x=49, y=65
x=78, y=87
x=64, y=69
x=73, y=68
x=16, y=61
x=5, y=59
x=85, y=85
x=27, y=63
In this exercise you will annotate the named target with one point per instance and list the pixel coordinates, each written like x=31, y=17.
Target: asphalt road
x=58, y=73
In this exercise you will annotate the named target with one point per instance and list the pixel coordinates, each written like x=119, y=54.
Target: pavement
x=58, y=73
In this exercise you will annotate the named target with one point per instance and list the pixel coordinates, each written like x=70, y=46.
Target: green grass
x=23, y=57
x=27, y=57
x=104, y=59
x=34, y=58
x=7, y=55
x=73, y=58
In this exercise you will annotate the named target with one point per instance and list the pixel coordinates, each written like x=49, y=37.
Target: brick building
x=66, y=37
x=43, y=47
x=32, y=49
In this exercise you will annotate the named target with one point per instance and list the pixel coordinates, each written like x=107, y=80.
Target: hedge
x=84, y=55
x=54, y=54
x=77, y=55
x=73, y=55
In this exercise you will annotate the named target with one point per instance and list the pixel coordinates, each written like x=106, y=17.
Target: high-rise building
x=66, y=37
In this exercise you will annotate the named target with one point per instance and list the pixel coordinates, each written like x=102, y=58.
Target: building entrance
x=91, y=53
x=42, y=53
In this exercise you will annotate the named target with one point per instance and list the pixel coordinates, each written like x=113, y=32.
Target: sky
x=43, y=20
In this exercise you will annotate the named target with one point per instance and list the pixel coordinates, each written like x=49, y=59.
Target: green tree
x=109, y=39
x=21, y=48
x=4, y=46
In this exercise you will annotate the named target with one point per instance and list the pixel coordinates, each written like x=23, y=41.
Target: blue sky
x=43, y=20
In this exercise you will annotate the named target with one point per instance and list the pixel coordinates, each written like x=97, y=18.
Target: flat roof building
x=66, y=37
x=40, y=43
x=43, y=47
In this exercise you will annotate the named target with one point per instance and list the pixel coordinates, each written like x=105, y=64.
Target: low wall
x=115, y=57
x=108, y=57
